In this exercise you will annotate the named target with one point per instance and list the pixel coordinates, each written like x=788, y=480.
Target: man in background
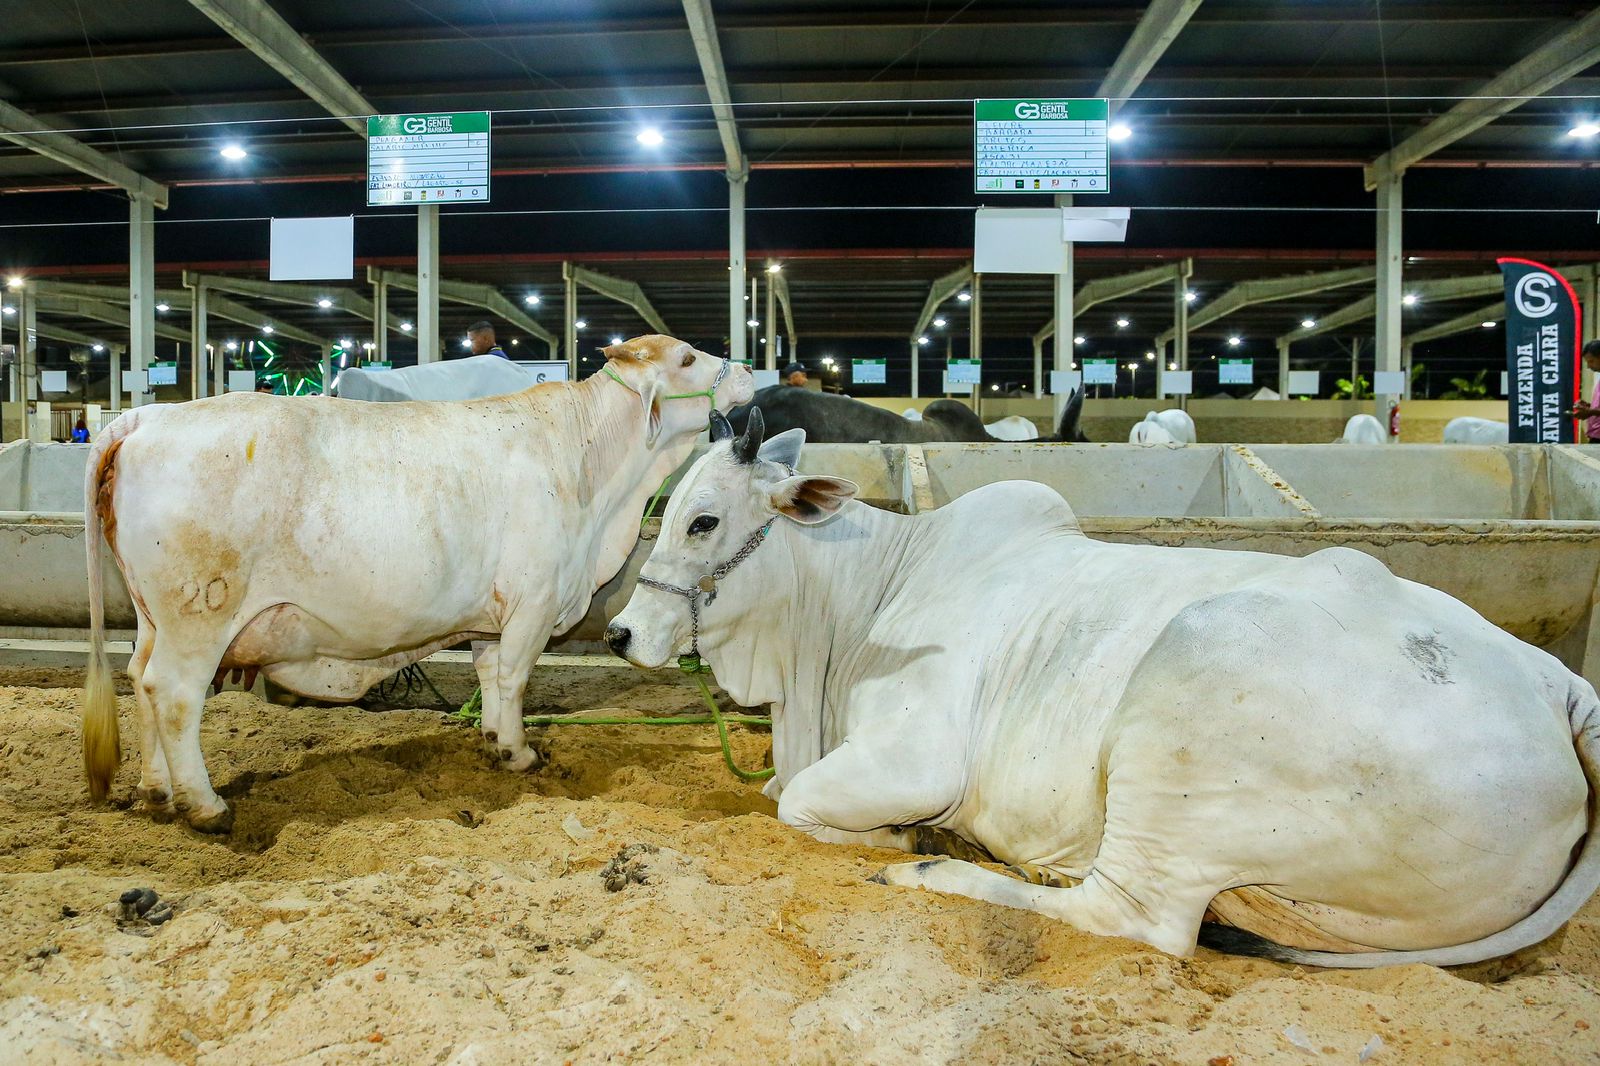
x=795, y=374
x=1590, y=412
x=481, y=337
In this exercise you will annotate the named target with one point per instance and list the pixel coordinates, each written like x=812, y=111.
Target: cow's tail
x=1583, y=710
x=102, y=743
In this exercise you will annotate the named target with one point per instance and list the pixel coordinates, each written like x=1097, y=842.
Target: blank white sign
x=1018, y=240
x=1063, y=382
x=313, y=249
x=765, y=378
x=135, y=381
x=1504, y=381
x=1303, y=383
x=53, y=380
x=1389, y=383
x=240, y=380
x=1177, y=382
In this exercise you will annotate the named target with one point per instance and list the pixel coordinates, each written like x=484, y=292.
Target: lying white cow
x=1177, y=423
x=1475, y=431
x=1362, y=429
x=1013, y=427
x=1174, y=732
x=329, y=543
x=1149, y=433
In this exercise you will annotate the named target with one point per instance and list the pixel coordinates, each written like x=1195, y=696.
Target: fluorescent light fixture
x=650, y=137
x=922, y=339
x=324, y=303
x=1122, y=323
x=1308, y=323
x=1489, y=325
x=163, y=307
x=964, y=297
x=580, y=324
x=1409, y=299
x=1584, y=130
x=938, y=323
x=1119, y=131
x=1234, y=342
x=233, y=152
x=532, y=299
x=405, y=327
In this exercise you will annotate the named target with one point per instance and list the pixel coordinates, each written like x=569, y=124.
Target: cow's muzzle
x=617, y=639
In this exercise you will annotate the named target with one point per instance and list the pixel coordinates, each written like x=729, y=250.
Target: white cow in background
x=1362, y=429
x=1161, y=734
x=329, y=543
x=1177, y=423
x=1013, y=427
x=1468, y=430
x=1149, y=433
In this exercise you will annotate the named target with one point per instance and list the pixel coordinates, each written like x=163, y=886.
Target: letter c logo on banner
x=1533, y=297
x=1025, y=109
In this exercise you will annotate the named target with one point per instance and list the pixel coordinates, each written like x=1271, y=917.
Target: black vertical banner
x=1542, y=353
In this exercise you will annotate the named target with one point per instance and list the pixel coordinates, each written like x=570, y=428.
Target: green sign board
x=428, y=159
x=163, y=372
x=1049, y=146
x=377, y=366
x=869, y=371
x=1235, y=371
x=964, y=372
x=1099, y=371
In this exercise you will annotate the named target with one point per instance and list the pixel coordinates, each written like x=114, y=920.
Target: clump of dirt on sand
x=387, y=896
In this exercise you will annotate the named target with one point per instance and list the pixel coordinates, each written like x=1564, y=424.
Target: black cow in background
x=831, y=419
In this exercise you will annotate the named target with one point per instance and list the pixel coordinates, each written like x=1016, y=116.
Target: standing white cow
x=1362, y=429
x=1468, y=430
x=1173, y=732
x=329, y=542
x=1177, y=423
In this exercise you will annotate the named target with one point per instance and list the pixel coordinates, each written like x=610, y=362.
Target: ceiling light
x=1308, y=323
x=466, y=342
x=233, y=152
x=1072, y=366
x=994, y=388
x=1134, y=367
x=923, y=339
x=345, y=344
x=1079, y=340
x=513, y=342
x=1234, y=342
x=1122, y=323
x=964, y=297
x=405, y=327
x=1488, y=325
x=650, y=137
x=231, y=346
x=1584, y=130
x=1149, y=357
x=324, y=303
x=827, y=360
x=616, y=340
x=1119, y=131
x=1172, y=366
x=1409, y=299
x=14, y=281
x=163, y=307
x=774, y=268
x=368, y=345
x=532, y=299
x=1190, y=297
x=8, y=309
x=752, y=323
x=938, y=323
x=267, y=330
x=99, y=347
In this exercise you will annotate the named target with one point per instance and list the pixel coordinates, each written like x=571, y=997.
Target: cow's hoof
x=491, y=737
x=527, y=759
x=219, y=824
x=879, y=878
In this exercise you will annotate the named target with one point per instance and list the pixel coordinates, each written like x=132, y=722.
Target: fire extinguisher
x=1394, y=421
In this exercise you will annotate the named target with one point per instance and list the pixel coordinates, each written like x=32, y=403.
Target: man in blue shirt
x=481, y=336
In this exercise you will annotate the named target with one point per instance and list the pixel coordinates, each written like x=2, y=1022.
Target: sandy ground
x=388, y=897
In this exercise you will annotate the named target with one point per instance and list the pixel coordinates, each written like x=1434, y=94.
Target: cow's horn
x=721, y=428
x=746, y=446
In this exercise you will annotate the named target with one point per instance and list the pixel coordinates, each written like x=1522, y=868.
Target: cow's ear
x=811, y=498
x=784, y=448
x=650, y=397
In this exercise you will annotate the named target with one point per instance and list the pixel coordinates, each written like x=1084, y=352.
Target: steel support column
x=1062, y=357
x=916, y=367
x=1038, y=368
x=975, y=333
x=28, y=342
x=427, y=284
x=114, y=376
x=771, y=361
x=737, y=315
x=1283, y=368
x=380, y=318
x=1386, y=354
x=569, y=312
x=141, y=287
x=199, y=369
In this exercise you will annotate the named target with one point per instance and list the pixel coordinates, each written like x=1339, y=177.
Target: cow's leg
x=155, y=784
x=173, y=684
x=884, y=775
x=503, y=669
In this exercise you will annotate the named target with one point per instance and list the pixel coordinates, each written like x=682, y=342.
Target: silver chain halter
x=691, y=663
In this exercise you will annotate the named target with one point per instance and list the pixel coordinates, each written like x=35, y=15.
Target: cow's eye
x=704, y=523
x=688, y=360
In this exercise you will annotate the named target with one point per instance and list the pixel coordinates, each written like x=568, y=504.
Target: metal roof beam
x=703, y=29
x=780, y=286
x=1570, y=52
x=254, y=24
x=294, y=293
x=222, y=307
x=19, y=127
x=1162, y=22
x=622, y=291
x=98, y=311
x=115, y=294
x=1460, y=324
x=1266, y=290
x=1103, y=290
x=941, y=290
x=460, y=292
x=71, y=336
x=1434, y=289
x=1349, y=314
